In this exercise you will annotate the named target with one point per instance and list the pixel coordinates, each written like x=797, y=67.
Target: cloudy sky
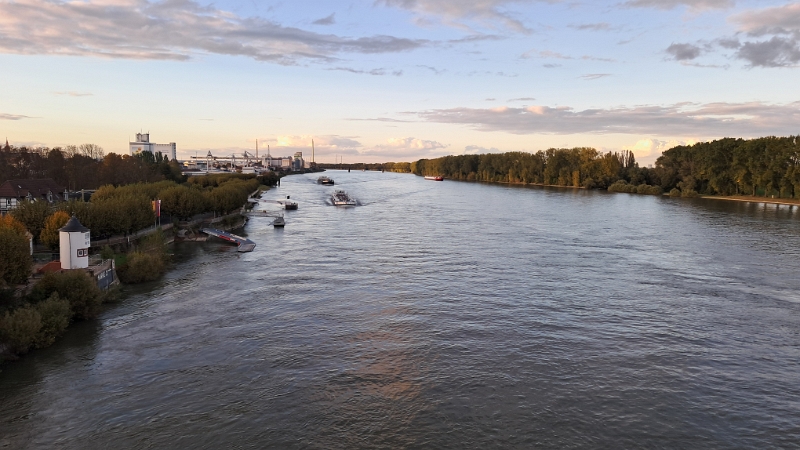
x=397, y=80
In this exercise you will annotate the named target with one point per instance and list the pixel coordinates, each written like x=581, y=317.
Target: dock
x=243, y=244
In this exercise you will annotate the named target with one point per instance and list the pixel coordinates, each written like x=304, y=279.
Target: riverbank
x=748, y=199
x=734, y=198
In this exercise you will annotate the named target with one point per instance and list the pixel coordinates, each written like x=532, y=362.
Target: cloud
x=324, y=143
x=404, y=147
x=329, y=20
x=383, y=119
x=380, y=71
x=594, y=76
x=476, y=149
x=74, y=94
x=490, y=99
x=169, y=30
x=454, y=13
x=522, y=99
x=547, y=54
x=782, y=49
x=647, y=151
x=777, y=20
x=602, y=26
x=767, y=37
x=13, y=117
x=680, y=119
x=433, y=69
x=698, y=5
x=684, y=52
x=776, y=52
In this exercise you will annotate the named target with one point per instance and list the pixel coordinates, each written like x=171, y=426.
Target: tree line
x=577, y=167
x=122, y=210
x=86, y=166
x=401, y=167
x=768, y=166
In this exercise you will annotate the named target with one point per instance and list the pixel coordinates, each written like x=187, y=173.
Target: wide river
x=442, y=315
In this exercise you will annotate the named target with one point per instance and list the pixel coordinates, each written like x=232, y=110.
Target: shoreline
x=730, y=198
x=746, y=199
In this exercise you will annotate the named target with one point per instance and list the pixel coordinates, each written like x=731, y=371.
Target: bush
x=656, y=190
x=675, y=192
x=618, y=186
x=19, y=329
x=648, y=190
x=107, y=252
x=15, y=257
x=689, y=193
x=76, y=286
x=141, y=267
x=55, y=315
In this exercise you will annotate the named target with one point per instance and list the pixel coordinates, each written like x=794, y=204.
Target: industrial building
x=143, y=144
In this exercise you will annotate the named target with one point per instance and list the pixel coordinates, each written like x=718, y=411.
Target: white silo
x=74, y=240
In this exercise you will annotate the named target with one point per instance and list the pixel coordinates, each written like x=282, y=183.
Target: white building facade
x=143, y=144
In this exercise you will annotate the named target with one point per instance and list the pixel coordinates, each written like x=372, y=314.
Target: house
x=14, y=191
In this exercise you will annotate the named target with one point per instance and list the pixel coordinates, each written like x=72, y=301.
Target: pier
x=243, y=244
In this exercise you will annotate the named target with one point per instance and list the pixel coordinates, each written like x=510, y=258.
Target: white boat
x=279, y=222
x=340, y=198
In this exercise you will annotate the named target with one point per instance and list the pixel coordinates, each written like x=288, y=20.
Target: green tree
x=32, y=215
x=76, y=286
x=20, y=328
x=55, y=315
x=15, y=257
x=182, y=202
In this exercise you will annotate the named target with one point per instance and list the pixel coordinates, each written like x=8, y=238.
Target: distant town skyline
x=398, y=80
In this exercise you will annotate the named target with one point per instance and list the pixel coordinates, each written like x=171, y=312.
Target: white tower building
x=74, y=241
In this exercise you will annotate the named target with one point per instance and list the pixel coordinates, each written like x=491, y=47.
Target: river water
x=442, y=315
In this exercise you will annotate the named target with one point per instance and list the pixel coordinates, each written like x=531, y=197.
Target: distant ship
x=325, y=180
x=340, y=198
x=434, y=178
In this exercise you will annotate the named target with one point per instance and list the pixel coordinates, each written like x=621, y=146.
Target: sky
x=398, y=80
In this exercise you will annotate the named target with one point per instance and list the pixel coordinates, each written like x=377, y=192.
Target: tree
x=76, y=286
x=49, y=235
x=182, y=202
x=15, y=257
x=9, y=221
x=92, y=151
x=32, y=215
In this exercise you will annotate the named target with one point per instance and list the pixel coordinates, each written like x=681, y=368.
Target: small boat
x=279, y=222
x=287, y=204
x=434, y=178
x=340, y=198
x=325, y=180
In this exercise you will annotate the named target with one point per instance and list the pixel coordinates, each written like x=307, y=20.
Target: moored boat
x=340, y=198
x=434, y=178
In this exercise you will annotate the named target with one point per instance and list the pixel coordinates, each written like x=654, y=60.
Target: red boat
x=436, y=178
